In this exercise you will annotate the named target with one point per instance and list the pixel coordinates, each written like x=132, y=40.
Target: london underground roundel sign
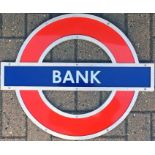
x=29, y=76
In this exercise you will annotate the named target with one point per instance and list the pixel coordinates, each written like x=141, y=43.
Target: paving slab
x=89, y=52
x=153, y=125
x=64, y=52
x=13, y=117
x=13, y=139
x=34, y=20
x=13, y=25
x=145, y=102
x=52, y=15
x=9, y=49
x=117, y=19
x=88, y=101
x=0, y=25
x=34, y=133
x=153, y=24
x=139, y=34
x=138, y=127
x=153, y=50
x=118, y=131
x=63, y=100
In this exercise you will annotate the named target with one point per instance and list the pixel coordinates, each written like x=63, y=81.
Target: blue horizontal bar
x=42, y=76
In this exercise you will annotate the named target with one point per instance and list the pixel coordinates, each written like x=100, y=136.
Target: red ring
x=77, y=126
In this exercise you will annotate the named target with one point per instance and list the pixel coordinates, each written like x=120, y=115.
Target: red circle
x=77, y=126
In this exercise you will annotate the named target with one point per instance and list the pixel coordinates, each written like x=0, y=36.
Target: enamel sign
x=124, y=77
